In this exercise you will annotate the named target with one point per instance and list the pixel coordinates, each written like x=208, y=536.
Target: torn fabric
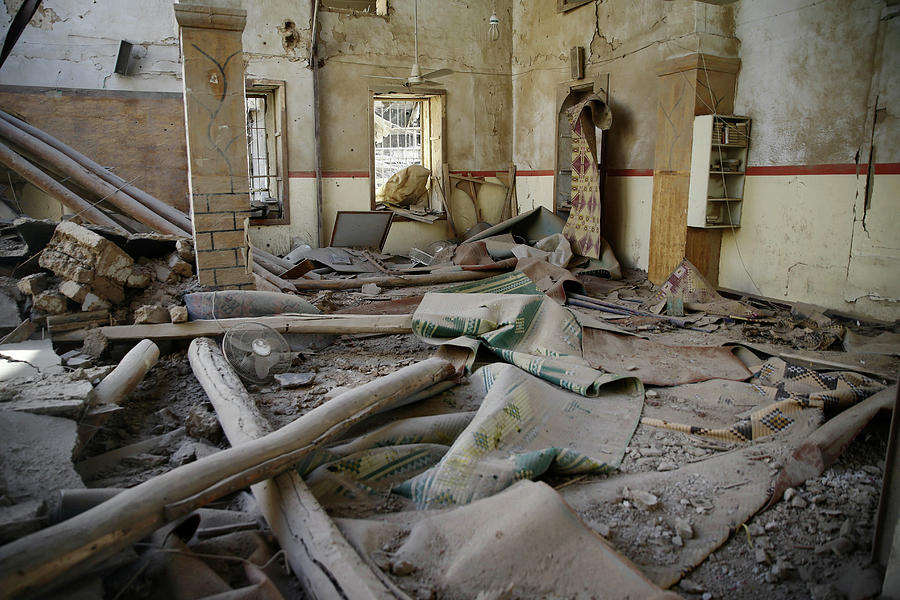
x=525, y=428
x=511, y=318
x=791, y=391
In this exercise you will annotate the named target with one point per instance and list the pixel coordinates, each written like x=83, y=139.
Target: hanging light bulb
x=494, y=27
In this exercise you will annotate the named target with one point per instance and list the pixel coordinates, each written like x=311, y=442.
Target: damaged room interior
x=449, y=299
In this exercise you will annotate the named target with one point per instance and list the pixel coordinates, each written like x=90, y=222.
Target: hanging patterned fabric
x=582, y=229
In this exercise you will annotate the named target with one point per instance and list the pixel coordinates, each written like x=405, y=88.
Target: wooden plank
x=341, y=324
x=702, y=247
x=394, y=281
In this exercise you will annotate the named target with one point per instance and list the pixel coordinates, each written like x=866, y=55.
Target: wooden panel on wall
x=688, y=86
x=138, y=134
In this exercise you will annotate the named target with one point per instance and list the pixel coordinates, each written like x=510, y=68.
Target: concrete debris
x=95, y=343
x=94, y=302
x=74, y=291
x=178, y=314
x=56, y=395
x=289, y=381
x=51, y=303
x=179, y=266
x=34, y=284
x=201, y=423
x=185, y=249
x=151, y=314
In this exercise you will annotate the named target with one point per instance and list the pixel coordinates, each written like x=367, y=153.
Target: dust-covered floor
x=816, y=543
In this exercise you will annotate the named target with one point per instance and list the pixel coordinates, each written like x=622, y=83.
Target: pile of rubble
x=91, y=276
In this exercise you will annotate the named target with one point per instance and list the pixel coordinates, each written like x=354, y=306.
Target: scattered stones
x=185, y=250
x=840, y=546
x=202, y=424
x=798, y=502
x=370, y=289
x=95, y=343
x=683, y=528
x=178, y=314
x=179, y=266
x=403, y=568
x=789, y=494
x=667, y=466
x=761, y=556
x=289, y=381
x=93, y=302
x=74, y=291
x=640, y=498
x=33, y=284
x=51, y=303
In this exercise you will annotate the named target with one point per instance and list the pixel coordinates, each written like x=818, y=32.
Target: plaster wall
x=73, y=45
x=818, y=226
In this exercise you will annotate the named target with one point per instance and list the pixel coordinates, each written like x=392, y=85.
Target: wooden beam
x=339, y=324
x=321, y=557
x=50, y=557
x=404, y=281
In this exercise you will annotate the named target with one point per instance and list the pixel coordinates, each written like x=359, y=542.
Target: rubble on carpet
x=664, y=417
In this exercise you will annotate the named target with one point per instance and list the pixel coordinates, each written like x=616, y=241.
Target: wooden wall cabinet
x=718, y=163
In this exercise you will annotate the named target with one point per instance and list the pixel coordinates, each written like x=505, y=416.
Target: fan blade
x=238, y=343
x=426, y=82
x=263, y=364
x=438, y=73
x=385, y=77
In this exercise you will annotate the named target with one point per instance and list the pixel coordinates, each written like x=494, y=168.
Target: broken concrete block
x=51, y=303
x=108, y=289
x=94, y=302
x=179, y=266
x=95, y=343
x=185, y=250
x=33, y=284
x=89, y=249
x=371, y=289
x=289, y=381
x=140, y=277
x=37, y=453
x=56, y=396
x=74, y=290
x=151, y=314
x=77, y=359
x=178, y=314
x=165, y=274
x=40, y=357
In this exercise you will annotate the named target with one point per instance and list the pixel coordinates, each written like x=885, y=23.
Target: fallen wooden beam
x=337, y=324
x=393, y=281
x=171, y=213
x=46, y=559
x=91, y=182
x=39, y=179
x=320, y=556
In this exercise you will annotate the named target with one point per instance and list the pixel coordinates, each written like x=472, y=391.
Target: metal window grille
x=398, y=137
x=258, y=149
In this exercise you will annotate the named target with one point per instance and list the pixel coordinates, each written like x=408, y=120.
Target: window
x=398, y=140
x=406, y=129
x=373, y=7
x=267, y=152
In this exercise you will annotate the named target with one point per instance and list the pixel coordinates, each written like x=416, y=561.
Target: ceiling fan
x=415, y=75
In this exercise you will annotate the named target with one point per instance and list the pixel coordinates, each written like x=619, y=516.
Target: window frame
x=437, y=124
x=380, y=11
x=275, y=92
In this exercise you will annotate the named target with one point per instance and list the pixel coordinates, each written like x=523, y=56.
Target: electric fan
x=257, y=352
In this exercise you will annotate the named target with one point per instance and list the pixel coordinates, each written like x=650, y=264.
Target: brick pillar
x=216, y=140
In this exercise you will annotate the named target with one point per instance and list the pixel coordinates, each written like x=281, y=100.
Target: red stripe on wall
x=887, y=168
x=329, y=174
x=545, y=173
x=772, y=170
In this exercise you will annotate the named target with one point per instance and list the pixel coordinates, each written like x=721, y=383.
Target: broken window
x=374, y=7
x=407, y=129
x=266, y=151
